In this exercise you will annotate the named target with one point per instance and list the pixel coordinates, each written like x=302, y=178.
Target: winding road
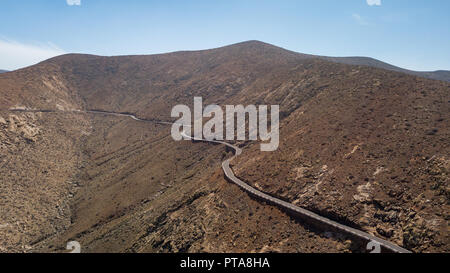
x=305, y=215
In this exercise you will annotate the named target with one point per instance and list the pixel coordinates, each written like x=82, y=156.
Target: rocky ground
x=38, y=161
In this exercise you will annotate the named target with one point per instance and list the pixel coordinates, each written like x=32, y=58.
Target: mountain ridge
x=443, y=75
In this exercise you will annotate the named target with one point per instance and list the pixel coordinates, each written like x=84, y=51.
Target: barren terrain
x=365, y=146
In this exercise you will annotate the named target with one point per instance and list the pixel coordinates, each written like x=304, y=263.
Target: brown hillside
x=366, y=146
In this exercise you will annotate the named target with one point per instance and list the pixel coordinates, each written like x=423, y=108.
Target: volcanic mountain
x=361, y=145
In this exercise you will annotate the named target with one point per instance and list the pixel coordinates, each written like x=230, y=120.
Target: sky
x=413, y=34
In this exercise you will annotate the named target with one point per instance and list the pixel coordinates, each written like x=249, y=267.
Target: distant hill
x=442, y=75
x=3, y=71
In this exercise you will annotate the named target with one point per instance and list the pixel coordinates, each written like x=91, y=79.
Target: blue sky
x=413, y=34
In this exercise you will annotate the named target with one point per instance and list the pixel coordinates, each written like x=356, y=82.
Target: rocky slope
x=363, y=145
x=371, y=150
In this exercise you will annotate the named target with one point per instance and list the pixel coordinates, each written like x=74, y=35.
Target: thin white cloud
x=14, y=55
x=73, y=2
x=374, y=2
x=359, y=19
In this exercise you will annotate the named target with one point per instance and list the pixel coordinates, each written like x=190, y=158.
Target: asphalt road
x=296, y=209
